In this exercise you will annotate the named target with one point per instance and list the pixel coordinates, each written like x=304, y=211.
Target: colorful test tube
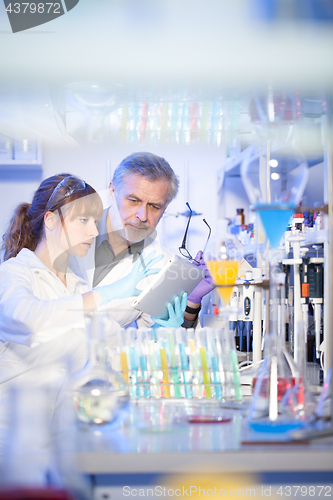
x=165, y=370
x=205, y=373
x=174, y=364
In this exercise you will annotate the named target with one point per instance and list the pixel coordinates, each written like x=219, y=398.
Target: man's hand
x=176, y=313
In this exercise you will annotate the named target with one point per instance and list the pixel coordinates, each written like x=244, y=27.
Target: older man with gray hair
x=142, y=187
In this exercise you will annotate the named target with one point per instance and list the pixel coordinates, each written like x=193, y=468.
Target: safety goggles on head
x=182, y=249
x=65, y=188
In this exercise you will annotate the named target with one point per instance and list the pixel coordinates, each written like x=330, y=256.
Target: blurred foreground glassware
x=100, y=394
x=274, y=186
x=33, y=465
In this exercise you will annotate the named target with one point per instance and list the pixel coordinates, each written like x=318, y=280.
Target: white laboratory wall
x=90, y=163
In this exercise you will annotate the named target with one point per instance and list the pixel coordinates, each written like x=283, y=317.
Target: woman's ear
x=49, y=221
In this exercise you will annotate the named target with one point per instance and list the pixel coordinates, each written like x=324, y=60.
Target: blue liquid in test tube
x=186, y=373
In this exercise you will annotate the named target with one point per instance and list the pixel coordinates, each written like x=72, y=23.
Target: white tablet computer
x=177, y=276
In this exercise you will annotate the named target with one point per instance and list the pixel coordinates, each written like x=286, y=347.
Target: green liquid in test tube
x=186, y=372
x=236, y=377
x=205, y=373
x=216, y=377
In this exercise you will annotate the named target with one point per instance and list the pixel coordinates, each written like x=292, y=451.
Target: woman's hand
x=127, y=286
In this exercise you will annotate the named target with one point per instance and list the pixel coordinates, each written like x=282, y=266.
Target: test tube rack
x=180, y=364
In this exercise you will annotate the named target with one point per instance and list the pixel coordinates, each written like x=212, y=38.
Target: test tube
x=195, y=364
x=142, y=348
x=163, y=346
x=213, y=354
x=123, y=354
x=174, y=363
x=153, y=360
x=202, y=346
x=130, y=341
x=230, y=346
x=181, y=335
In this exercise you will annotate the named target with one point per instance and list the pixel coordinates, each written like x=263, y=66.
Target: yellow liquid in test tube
x=124, y=366
x=165, y=370
x=224, y=272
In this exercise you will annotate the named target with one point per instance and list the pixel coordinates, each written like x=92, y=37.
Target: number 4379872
x=33, y=8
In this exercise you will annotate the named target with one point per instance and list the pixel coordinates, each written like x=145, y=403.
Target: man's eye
x=132, y=200
x=83, y=220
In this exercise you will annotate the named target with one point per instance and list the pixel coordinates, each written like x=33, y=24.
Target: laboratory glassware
x=275, y=189
x=100, y=394
x=37, y=464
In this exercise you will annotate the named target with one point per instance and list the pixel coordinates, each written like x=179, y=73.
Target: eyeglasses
x=66, y=187
x=182, y=249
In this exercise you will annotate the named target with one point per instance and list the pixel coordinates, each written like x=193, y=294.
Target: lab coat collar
x=27, y=257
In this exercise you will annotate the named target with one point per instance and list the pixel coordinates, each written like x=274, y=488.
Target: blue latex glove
x=205, y=286
x=126, y=287
x=176, y=314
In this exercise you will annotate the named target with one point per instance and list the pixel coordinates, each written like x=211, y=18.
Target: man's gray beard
x=134, y=236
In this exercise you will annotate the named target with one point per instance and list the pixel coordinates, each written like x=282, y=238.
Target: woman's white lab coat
x=41, y=322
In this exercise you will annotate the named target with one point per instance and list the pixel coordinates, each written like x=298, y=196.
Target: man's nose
x=142, y=213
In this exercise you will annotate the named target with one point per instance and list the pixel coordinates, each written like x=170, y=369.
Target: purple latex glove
x=205, y=286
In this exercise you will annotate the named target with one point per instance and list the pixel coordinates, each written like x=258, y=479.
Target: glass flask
x=274, y=180
x=299, y=400
x=276, y=375
x=100, y=394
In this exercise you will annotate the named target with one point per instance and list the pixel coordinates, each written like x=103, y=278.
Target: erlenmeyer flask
x=299, y=398
x=100, y=394
x=276, y=375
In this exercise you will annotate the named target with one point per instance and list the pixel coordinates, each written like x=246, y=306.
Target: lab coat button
x=62, y=370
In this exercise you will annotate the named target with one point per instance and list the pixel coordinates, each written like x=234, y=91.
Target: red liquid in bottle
x=283, y=385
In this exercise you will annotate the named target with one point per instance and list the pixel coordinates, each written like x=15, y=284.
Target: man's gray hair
x=148, y=165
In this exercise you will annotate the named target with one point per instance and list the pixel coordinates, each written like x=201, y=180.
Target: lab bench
x=164, y=441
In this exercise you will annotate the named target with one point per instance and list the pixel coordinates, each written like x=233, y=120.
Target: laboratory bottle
x=100, y=394
x=240, y=218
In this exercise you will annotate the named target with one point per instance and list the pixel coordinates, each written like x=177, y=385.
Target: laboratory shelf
x=26, y=165
x=11, y=165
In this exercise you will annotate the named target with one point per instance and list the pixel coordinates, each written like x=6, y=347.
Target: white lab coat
x=41, y=323
x=121, y=310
